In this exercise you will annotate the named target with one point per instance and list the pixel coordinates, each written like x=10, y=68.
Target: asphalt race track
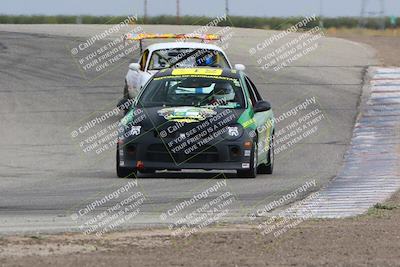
x=45, y=178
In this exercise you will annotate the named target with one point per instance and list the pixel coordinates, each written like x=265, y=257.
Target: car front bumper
x=151, y=152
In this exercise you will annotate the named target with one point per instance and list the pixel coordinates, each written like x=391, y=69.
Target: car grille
x=158, y=152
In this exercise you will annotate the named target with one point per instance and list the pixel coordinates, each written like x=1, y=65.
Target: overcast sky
x=193, y=7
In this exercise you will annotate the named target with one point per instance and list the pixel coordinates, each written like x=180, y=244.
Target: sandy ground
x=369, y=240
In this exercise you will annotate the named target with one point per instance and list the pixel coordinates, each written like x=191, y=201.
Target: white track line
x=371, y=169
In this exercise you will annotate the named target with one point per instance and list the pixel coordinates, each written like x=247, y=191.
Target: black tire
x=252, y=172
x=126, y=92
x=123, y=172
x=268, y=168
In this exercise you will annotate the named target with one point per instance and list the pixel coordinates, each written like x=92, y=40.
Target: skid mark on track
x=371, y=169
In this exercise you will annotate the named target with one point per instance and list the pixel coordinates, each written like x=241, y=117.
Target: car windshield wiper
x=184, y=58
x=180, y=105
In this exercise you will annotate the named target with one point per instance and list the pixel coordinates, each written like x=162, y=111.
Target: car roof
x=226, y=72
x=193, y=45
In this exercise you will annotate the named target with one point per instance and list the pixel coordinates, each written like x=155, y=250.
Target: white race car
x=180, y=54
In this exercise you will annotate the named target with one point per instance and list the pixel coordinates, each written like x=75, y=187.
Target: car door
x=263, y=121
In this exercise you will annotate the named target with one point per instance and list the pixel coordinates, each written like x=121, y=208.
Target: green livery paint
x=127, y=118
x=247, y=120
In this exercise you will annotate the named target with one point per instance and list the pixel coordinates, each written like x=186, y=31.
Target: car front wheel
x=268, y=168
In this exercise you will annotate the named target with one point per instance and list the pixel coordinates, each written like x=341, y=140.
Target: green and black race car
x=197, y=118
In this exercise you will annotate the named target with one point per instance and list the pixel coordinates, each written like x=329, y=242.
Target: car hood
x=185, y=116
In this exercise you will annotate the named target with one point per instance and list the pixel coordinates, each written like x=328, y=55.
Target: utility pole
x=361, y=21
x=382, y=14
x=178, y=19
x=321, y=8
x=145, y=12
x=227, y=7
x=364, y=14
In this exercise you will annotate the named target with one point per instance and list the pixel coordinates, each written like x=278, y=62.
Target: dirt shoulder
x=386, y=43
x=369, y=240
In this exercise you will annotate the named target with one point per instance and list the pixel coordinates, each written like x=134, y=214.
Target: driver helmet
x=206, y=60
x=224, y=91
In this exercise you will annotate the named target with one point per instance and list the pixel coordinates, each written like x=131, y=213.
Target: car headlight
x=233, y=132
x=135, y=130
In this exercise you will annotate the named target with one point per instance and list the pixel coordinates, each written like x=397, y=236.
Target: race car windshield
x=186, y=58
x=199, y=91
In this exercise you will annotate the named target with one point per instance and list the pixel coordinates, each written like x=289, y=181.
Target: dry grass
x=385, y=42
x=363, y=32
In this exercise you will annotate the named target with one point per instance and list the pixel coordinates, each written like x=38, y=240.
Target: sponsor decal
x=233, y=131
x=249, y=122
x=186, y=114
x=192, y=71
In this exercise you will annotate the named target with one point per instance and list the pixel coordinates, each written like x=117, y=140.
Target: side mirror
x=262, y=106
x=134, y=66
x=240, y=67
